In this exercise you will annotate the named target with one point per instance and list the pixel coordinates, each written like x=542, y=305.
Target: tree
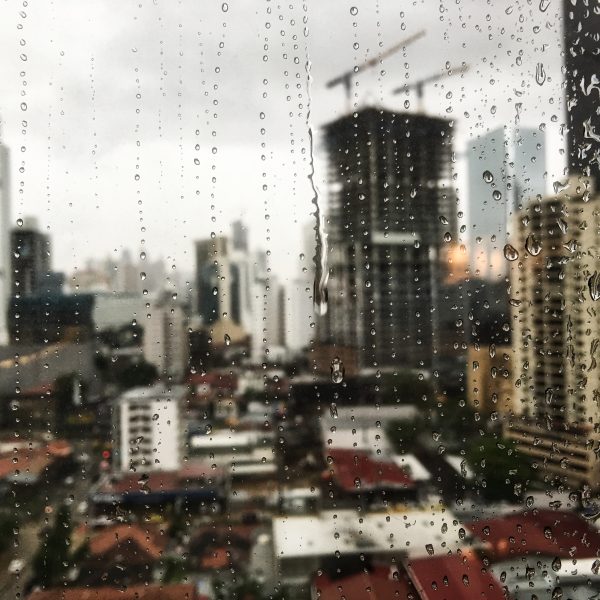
x=456, y=420
x=501, y=471
x=8, y=524
x=51, y=561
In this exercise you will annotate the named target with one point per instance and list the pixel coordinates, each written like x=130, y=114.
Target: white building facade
x=148, y=429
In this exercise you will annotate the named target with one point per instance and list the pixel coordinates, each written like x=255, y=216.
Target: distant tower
x=299, y=311
x=239, y=236
x=212, y=279
x=165, y=337
x=30, y=259
x=506, y=167
x=5, y=278
x=581, y=24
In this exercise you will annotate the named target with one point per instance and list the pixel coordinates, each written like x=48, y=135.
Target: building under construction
x=392, y=208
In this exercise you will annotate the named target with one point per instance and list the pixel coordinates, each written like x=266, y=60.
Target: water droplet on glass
x=594, y=286
x=337, y=370
x=533, y=245
x=510, y=252
x=540, y=74
x=556, y=564
x=488, y=177
x=559, y=186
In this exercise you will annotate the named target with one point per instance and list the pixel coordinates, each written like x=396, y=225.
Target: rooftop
x=355, y=470
x=113, y=539
x=539, y=532
x=378, y=584
x=411, y=532
x=453, y=577
x=157, y=391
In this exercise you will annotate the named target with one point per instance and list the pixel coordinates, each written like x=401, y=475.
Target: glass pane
x=299, y=300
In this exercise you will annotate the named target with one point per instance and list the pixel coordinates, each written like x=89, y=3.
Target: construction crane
x=347, y=77
x=419, y=85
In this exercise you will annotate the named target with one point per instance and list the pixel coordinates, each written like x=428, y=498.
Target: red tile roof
x=159, y=481
x=354, y=470
x=59, y=448
x=453, y=577
x=226, y=381
x=112, y=539
x=378, y=584
x=217, y=559
x=539, y=532
x=152, y=592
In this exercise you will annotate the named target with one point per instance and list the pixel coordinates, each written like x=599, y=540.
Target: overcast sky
x=152, y=123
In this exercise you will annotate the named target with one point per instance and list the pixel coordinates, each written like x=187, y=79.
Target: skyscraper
x=212, y=279
x=505, y=168
x=30, y=259
x=5, y=276
x=392, y=205
x=529, y=164
x=224, y=276
x=299, y=306
x=555, y=285
x=165, y=337
x=581, y=23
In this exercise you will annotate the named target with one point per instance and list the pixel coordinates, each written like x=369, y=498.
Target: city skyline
x=82, y=182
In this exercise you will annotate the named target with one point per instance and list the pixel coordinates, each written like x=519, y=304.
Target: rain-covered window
x=299, y=300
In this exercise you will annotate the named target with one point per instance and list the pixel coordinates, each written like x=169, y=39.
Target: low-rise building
x=351, y=541
x=149, y=429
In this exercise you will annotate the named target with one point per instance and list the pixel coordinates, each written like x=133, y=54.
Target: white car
x=15, y=566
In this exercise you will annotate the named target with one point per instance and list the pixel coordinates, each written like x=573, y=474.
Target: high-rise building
x=505, y=168
x=299, y=313
x=148, y=428
x=30, y=259
x=268, y=308
x=239, y=236
x=165, y=337
x=127, y=278
x=528, y=148
x=213, y=278
x=392, y=207
x=5, y=264
x=555, y=285
x=581, y=24
x=224, y=275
